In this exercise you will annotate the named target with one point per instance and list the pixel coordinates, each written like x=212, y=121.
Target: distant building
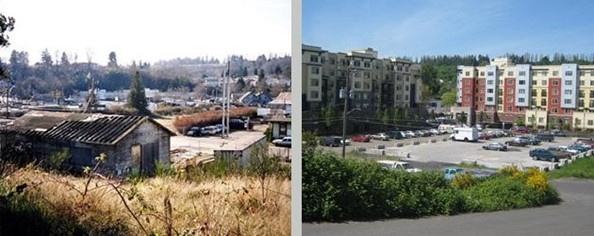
x=538, y=95
x=131, y=143
x=281, y=102
x=255, y=99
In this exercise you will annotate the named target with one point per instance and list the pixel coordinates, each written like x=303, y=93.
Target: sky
x=397, y=28
x=148, y=30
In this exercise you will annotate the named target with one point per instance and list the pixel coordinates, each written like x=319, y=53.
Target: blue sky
x=434, y=27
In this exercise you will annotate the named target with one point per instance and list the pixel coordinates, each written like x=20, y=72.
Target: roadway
x=573, y=216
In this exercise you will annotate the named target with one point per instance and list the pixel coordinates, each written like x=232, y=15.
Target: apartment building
x=544, y=96
x=373, y=82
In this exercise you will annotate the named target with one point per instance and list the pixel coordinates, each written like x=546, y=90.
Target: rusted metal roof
x=105, y=130
x=84, y=128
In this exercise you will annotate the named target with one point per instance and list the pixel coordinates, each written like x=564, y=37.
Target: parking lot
x=440, y=149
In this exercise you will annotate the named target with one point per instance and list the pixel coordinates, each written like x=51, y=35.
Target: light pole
x=346, y=95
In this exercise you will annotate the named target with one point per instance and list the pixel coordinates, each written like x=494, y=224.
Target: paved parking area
x=456, y=152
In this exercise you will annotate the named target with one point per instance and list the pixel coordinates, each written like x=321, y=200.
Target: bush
x=345, y=189
x=336, y=189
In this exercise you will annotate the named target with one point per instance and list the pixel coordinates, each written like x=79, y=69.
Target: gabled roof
x=282, y=98
x=87, y=128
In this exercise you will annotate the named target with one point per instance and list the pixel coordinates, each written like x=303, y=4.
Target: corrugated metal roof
x=106, y=129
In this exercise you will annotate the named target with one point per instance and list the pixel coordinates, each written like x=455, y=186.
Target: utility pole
x=346, y=94
x=228, y=96
x=223, y=96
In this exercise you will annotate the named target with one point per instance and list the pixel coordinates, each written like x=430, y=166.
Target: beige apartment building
x=373, y=82
x=541, y=96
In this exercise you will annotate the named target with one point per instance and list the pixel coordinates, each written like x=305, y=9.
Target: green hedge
x=336, y=189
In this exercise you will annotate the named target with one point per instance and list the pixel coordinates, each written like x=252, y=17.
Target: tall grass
x=229, y=205
x=581, y=168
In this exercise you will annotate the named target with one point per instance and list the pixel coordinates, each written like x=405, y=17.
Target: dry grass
x=182, y=123
x=226, y=206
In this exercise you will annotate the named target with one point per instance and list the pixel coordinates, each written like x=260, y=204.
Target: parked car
x=394, y=134
x=563, y=149
x=380, y=136
x=410, y=134
x=531, y=139
x=518, y=142
x=520, y=130
x=558, y=133
x=194, y=131
x=484, y=136
x=398, y=165
x=283, y=142
x=346, y=141
x=559, y=154
x=543, y=154
x=209, y=130
x=495, y=146
x=545, y=137
x=330, y=141
x=579, y=148
x=435, y=131
x=361, y=138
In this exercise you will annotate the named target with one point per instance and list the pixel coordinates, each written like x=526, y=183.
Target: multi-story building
x=373, y=82
x=543, y=96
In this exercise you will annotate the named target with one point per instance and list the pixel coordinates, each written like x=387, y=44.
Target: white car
x=380, y=136
x=398, y=165
x=348, y=141
x=410, y=134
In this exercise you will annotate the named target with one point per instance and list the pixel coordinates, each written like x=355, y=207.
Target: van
x=331, y=141
x=446, y=129
x=465, y=134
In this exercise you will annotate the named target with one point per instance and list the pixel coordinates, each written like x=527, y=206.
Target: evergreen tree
x=137, y=98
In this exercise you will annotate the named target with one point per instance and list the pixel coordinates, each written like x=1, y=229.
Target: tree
x=449, y=98
x=328, y=114
x=137, y=97
x=239, y=86
x=385, y=117
x=482, y=117
x=462, y=117
x=533, y=121
x=113, y=61
x=64, y=60
x=46, y=59
x=6, y=25
x=519, y=121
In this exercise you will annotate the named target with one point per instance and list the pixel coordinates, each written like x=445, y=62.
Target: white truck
x=466, y=134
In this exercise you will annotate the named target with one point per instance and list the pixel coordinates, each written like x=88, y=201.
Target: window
x=568, y=73
x=406, y=78
x=510, y=108
x=314, y=95
x=357, y=63
x=398, y=88
x=489, y=99
x=313, y=58
x=399, y=68
x=554, y=101
x=510, y=82
x=406, y=88
x=543, y=102
x=521, y=91
x=510, y=91
x=543, y=92
x=592, y=103
x=315, y=70
x=510, y=99
x=556, y=82
x=555, y=73
x=591, y=82
x=544, y=82
x=567, y=101
x=581, y=103
x=332, y=61
x=315, y=82
x=567, y=110
x=367, y=75
x=554, y=110
x=533, y=93
x=322, y=60
x=489, y=90
x=582, y=82
x=522, y=73
x=592, y=73
x=482, y=73
x=555, y=92
x=522, y=82
x=499, y=108
x=581, y=93
x=521, y=100
x=405, y=97
x=366, y=85
x=490, y=82
x=490, y=73
x=590, y=122
x=467, y=73
x=534, y=82
x=367, y=64
x=568, y=92
x=545, y=73
x=510, y=73
x=540, y=120
x=357, y=85
x=568, y=82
